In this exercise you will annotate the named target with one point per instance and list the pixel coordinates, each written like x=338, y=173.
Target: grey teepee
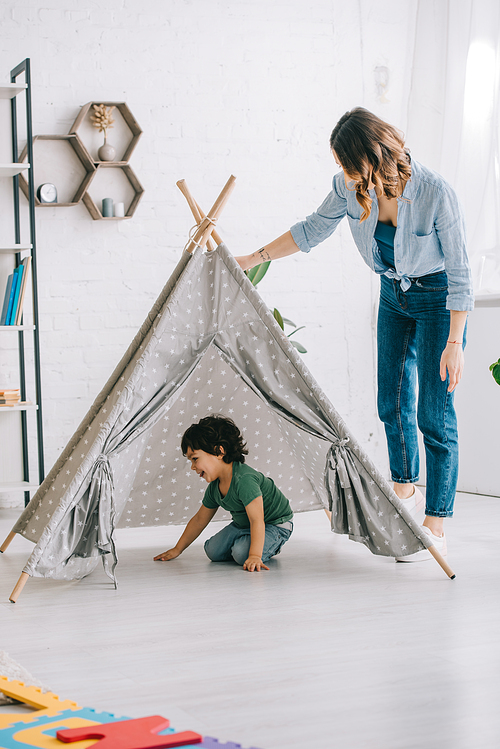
x=208, y=345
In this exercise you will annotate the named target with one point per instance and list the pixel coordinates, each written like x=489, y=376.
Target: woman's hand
x=452, y=362
x=254, y=564
x=168, y=555
x=245, y=262
x=281, y=247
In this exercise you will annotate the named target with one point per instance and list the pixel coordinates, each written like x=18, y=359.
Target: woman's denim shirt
x=430, y=234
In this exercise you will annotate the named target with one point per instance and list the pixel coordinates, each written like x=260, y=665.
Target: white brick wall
x=219, y=87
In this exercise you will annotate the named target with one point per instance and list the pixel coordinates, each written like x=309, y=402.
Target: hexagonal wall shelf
x=127, y=122
x=83, y=157
x=137, y=188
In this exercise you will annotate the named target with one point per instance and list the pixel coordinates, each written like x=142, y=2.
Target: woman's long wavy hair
x=370, y=149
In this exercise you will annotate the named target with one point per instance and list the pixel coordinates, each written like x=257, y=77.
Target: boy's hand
x=254, y=564
x=167, y=555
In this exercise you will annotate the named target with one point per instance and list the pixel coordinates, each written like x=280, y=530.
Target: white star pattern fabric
x=166, y=490
x=209, y=345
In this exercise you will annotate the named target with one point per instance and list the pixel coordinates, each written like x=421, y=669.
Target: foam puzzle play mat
x=49, y=722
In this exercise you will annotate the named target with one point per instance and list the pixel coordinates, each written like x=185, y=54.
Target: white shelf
x=9, y=90
x=10, y=170
x=13, y=486
x=17, y=327
x=13, y=249
x=31, y=407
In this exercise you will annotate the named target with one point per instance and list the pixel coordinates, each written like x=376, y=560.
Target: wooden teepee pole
x=195, y=209
x=206, y=227
x=19, y=586
x=440, y=560
x=197, y=212
x=7, y=542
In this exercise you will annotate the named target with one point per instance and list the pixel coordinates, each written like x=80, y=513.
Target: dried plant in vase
x=103, y=121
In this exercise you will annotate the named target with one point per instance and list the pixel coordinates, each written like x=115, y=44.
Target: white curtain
x=453, y=117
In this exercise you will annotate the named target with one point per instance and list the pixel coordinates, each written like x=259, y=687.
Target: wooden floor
x=332, y=649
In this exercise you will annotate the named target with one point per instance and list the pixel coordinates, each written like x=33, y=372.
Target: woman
x=408, y=226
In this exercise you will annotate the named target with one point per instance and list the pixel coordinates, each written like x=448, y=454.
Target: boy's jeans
x=234, y=543
x=413, y=328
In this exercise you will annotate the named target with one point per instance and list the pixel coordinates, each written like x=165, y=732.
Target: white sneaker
x=415, y=503
x=423, y=555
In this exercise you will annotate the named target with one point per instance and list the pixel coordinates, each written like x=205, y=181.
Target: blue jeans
x=413, y=328
x=234, y=543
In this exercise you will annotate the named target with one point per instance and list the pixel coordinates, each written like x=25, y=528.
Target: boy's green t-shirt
x=246, y=485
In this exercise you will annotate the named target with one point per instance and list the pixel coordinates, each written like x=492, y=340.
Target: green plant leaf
x=289, y=322
x=495, y=371
x=250, y=274
x=300, y=348
x=261, y=272
x=258, y=272
x=296, y=329
x=278, y=318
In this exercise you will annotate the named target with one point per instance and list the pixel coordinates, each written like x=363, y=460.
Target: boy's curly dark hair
x=212, y=433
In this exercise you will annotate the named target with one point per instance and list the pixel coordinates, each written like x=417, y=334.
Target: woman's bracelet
x=459, y=342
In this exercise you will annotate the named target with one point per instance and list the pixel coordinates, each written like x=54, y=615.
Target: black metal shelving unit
x=20, y=250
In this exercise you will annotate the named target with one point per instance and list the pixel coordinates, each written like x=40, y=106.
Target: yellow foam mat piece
x=44, y=703
x=36, y=736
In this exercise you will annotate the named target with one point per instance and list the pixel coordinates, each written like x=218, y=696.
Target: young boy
x=262, y=516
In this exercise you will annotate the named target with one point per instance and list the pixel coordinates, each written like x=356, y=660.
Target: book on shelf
x=15, y=282
x=12, y=309
x=19, y=312
x=12, y=316
x=8, y=299
x=10, y=397
x=5, y=305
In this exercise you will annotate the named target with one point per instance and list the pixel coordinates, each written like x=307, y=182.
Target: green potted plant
x=255, y=275
x=495, y=371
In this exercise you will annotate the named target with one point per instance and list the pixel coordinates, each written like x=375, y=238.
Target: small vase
x=106, y=152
